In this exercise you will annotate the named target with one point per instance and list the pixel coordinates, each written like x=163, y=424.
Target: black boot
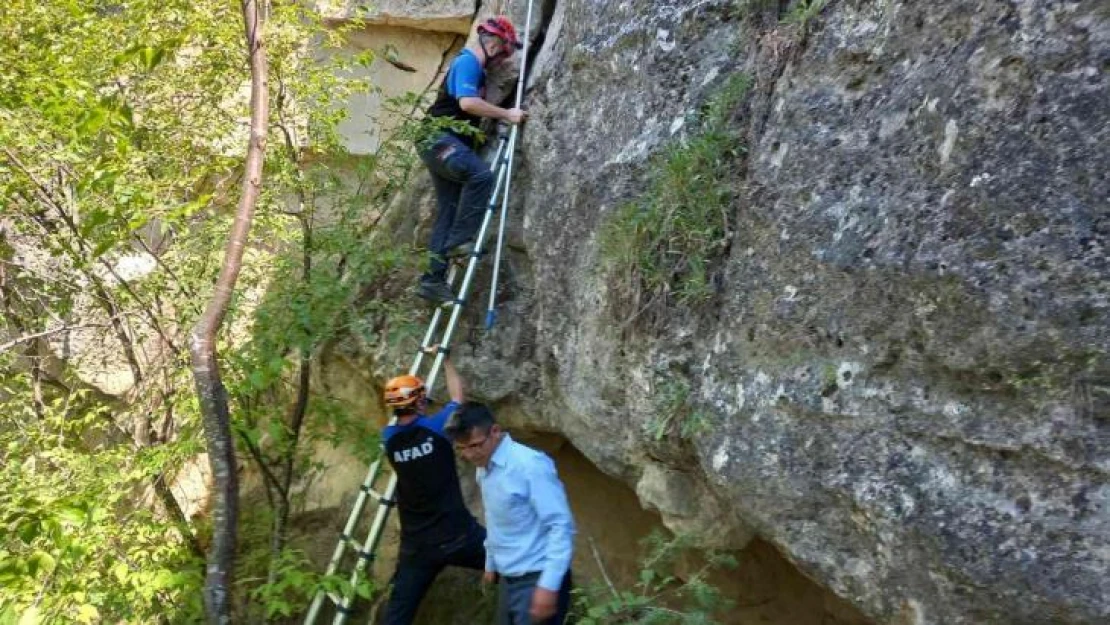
x=462, y=250
x=435, y=291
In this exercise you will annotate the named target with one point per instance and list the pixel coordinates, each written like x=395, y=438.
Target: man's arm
x=491, y=566
x=481, y=108
x=454, y=381
x=450, y=374
x=549, y=500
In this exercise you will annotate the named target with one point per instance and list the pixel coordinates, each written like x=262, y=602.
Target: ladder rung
x=351, y=542
x=382, y=500
x=337, y=600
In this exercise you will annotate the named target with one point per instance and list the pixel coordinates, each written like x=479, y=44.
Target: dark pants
x=418, y=566
x=463, y=184
x=515, y=600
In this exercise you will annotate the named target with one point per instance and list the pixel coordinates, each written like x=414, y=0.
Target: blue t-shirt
x=465, y=78
x=429, y=499
x=435, y=423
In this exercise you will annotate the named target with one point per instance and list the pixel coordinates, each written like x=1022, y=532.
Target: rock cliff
x=899, y=378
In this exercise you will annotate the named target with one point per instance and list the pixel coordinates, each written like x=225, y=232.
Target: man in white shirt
x=530, y=529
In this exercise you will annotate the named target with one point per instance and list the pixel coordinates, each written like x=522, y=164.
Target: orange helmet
x=403, y=390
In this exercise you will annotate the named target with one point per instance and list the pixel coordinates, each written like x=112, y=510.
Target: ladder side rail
x=377, y=527
x=499, y=171
x=491, y=310
x=341, y=546
x=370, y=549
x=471, y=269
x=503, y=167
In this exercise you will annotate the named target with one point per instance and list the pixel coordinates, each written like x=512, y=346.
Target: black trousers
x=515, y=601
x=418, y=566
x=463, y=184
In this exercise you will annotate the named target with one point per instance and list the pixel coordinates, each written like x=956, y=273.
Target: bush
x=661, y=246
x=661, y=596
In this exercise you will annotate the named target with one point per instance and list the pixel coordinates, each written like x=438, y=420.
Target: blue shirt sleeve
x=438, y=421
x=549, y=500
x=464, y=79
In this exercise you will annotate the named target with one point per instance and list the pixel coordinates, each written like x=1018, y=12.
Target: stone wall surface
x=903, y=366
x=440, y=16
x=418, y=57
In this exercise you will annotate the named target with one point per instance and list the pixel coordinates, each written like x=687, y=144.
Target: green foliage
x=121, y=140
x=674, y=413
x=661, y=596
x=660, y=247
x=80, y=543
x=803, y=13
x=294, y=583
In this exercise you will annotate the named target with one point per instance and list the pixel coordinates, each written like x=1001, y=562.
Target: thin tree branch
x=212, y=394
x=46, y=195
x=263, y=466
x=38, y=335
x=601, y=567
x=189, y=293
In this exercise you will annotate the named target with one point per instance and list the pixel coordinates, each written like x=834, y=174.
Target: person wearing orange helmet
x=463, y=181
x=437, y=529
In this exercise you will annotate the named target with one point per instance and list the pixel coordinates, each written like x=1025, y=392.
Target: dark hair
x=470, y=417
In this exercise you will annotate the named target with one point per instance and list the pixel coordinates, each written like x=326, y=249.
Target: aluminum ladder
x=384, y=500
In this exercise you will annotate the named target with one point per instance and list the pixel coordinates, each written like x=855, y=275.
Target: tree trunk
x=202, y=345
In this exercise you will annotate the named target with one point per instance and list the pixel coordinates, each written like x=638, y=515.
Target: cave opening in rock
x=765, y=587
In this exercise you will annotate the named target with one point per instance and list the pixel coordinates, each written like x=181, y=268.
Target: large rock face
x=904, y=367
x=435, y=15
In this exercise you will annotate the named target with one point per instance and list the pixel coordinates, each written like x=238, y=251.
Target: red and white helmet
x=500, y=26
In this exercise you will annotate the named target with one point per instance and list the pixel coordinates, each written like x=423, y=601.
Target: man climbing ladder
x=463, y=182
x=437, y=529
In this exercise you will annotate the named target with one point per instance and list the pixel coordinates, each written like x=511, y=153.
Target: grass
x=665, y=593
x=804, y=12
x=660, y=246
x=674, y=413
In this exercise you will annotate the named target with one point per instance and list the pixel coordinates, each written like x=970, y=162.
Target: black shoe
x=462, y=250
x=435, y=291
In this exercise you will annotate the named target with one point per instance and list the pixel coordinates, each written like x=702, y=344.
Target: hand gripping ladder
x=365, y=551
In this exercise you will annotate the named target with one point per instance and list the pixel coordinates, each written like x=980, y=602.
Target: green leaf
x=91, y=121
x=151, y=57
x=41, y=563
x=28, y=532
x=87, y=614
x=73, y=515
x=121, y=572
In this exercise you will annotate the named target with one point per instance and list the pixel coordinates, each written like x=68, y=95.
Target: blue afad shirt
x=528, y=520
x=429, y=499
